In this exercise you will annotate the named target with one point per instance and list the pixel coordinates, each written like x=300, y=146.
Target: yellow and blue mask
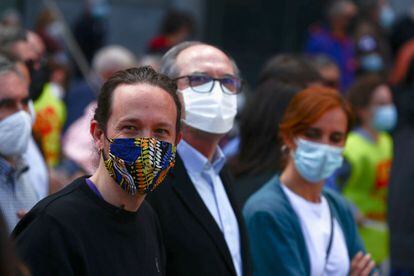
x=139, y=165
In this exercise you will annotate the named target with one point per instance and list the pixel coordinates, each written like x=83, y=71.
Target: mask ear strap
x=109, y=140
x=101, y=151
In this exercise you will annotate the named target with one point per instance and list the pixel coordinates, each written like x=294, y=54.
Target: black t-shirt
x=75, y=232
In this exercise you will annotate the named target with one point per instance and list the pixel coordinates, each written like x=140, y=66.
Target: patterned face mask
x=139, y=165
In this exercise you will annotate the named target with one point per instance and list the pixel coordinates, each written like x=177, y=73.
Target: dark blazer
x=194, y=242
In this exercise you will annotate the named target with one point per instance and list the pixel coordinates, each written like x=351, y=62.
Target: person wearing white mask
x=295, y=225
x=39, y=174
x=17, y=194
x=369, y=154
x=202, y=225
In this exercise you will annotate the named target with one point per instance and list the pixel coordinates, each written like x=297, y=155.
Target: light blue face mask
x=385, y=117
x=316, y=162
x=387, y=17
x=372, y=63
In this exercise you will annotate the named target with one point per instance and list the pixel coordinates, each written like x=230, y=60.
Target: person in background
x=101, y=225
x=51, y=113
x=106, y=61
x=28, y=47
x=91, y=28
x=402, y=73
x=290, y=69
x=207, y=227
x=403, y=29
x=334, y=39
x=77, y=143
x=286, y=69
x=176, y=27
x=38, y=173
x=38, y=47
x=295, y=226
x=51, y=31
x=38, y=66
x=328, y=70
x=13, y=41
x=10, y=265
x=11, y=17
x=373, y=51
x=368, y=154
x=17, y=193
x=400, y=190
x=260, y=150
x=28, y=65
x=255, y=163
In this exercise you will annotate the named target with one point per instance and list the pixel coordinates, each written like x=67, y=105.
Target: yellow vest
x=50, y=118
x=367, y=187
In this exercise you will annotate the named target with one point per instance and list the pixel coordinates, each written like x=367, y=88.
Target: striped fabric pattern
x=139, y=165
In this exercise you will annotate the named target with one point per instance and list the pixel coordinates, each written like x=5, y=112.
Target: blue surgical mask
x=316, y=162
x=385, y=117
x=372, y=63
x=387, y=17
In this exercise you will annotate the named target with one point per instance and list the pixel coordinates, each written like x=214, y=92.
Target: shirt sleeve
x=273, y=246
x=48, y=249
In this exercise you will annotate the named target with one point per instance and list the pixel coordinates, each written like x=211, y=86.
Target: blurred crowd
x=360, y=50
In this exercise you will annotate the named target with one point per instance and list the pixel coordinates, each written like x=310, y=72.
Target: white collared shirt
x=206, y=179
x=315, y=221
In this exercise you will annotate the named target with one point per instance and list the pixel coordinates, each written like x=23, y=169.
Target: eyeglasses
x=205, y=83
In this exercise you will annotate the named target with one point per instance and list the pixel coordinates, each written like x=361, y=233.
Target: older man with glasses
x=203, y=230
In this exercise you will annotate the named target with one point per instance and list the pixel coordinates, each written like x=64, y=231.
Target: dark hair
x=361, y=92
x=260, y=147
x=290, y=69
x=143, y=74
x=175, y=20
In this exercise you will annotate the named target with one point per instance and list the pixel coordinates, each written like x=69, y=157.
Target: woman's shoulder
x=269, y=199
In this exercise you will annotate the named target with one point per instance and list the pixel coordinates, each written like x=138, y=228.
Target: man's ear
x=178, y=137
x=98, y=135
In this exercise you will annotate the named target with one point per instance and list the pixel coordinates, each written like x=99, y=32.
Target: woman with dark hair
x=260, y=150
x=295, y=226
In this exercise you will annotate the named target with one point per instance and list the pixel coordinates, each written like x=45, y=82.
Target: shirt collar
x=194, y=161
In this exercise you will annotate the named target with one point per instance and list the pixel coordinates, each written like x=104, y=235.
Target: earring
x=284, y=149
